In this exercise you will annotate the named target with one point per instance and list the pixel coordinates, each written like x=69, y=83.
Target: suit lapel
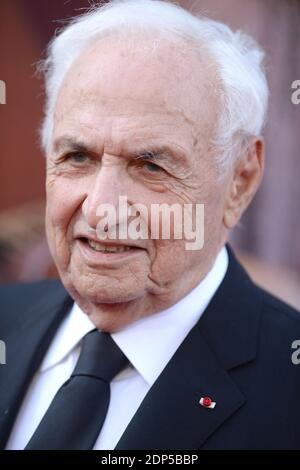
x=25, y=349
x=170, y=416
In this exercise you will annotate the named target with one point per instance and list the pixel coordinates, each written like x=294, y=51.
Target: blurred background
x=268, y=238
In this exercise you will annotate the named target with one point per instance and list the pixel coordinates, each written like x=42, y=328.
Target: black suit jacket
x=239, y=354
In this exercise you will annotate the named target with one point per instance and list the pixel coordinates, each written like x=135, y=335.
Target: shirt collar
x=71, y=331
x=150, y=342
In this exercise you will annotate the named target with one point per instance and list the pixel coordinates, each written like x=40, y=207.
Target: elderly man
x=147, y=344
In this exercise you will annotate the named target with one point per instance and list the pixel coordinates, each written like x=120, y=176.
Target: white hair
x=243, y=87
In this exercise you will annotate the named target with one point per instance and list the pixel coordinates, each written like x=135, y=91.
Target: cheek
x=215, y=204
x=55, y=214
x=170, y=263
x=63, y=199
x=213, y=218
x=62, y=203
x=172, y=260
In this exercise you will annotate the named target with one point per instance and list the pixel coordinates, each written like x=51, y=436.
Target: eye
x=77, y=157
x=152, y=167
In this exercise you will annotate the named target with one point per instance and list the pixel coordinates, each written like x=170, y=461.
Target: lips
x=108, y=248
x=110, y=254
x=105, y=247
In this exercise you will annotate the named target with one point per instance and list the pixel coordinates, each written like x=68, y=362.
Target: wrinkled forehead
x=141, y=76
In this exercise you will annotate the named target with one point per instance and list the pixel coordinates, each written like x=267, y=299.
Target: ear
x=244, y=182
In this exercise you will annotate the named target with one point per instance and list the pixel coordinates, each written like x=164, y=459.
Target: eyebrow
x=152, y=154
x=70, y=144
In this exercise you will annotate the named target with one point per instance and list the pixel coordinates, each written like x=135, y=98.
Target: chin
x=105, y=295
x=103, y=291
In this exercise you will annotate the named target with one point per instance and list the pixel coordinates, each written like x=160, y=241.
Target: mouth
x=107, y=248
x=95, y=251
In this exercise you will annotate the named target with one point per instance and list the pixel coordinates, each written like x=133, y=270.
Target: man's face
x=115, y=108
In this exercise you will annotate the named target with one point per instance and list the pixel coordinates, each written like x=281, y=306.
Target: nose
x=105, y=188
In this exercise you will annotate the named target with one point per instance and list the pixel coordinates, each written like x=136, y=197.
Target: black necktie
x=77, y=412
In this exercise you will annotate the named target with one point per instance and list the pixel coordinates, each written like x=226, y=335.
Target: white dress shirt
x=149, y=344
